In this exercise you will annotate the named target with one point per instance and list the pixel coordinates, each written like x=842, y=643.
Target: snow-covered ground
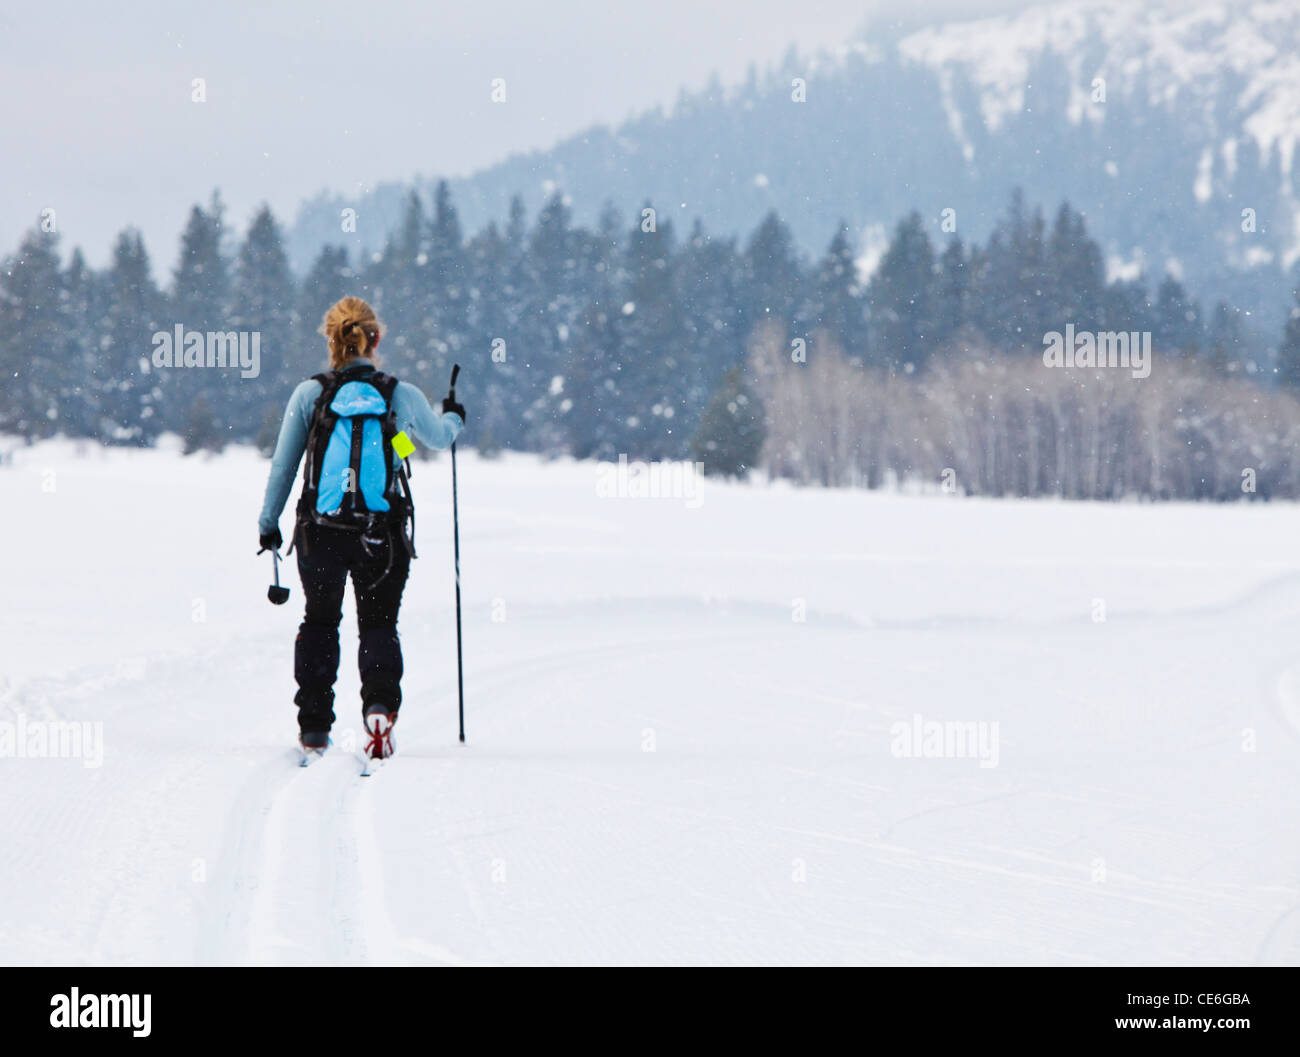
x=682, y=741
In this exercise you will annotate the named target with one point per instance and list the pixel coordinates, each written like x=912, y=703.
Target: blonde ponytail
x=351, y=329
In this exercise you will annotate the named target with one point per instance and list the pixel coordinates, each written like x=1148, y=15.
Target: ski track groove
x=241, y=918
x=226, y=934
x=270, y=894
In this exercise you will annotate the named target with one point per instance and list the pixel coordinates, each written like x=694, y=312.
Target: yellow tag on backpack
x=402, y=445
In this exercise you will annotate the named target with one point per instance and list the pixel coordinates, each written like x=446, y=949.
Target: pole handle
x=278, y=595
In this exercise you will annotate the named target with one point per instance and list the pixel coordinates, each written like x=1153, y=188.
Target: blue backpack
x=349, y=478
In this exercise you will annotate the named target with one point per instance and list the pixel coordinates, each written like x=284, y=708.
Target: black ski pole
x=455, y=535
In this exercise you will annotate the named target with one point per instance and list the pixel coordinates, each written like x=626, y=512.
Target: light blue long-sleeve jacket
x=410, y=409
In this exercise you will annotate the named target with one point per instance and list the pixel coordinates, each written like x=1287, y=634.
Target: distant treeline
x=988, y=423
x=638, y=338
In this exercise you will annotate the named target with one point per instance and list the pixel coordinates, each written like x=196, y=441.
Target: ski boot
x=379, y=731
x=313, y=745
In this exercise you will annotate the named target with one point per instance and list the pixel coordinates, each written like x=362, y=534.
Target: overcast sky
x=305, y=95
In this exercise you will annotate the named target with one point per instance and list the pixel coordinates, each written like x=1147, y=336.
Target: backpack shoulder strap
x=398, y=486
x=387, y=386
x=329, y=385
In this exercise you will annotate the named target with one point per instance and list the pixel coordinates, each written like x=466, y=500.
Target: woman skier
x=354, y=518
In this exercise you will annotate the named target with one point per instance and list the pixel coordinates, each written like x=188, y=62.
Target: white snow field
x=665, y=764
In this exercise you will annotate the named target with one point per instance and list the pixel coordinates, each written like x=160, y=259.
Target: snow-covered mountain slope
x=1156, y=55
x=1199, y=121
x=1230, y=72
x=690, y=730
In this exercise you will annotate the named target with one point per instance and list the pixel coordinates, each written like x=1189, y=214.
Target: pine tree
x=1076, y=273
x=517, y=222
x=263, y=303
x=200, y=297
x=1288, y=354
x=652, y=349
x=1226, y=338
x=1014, y=297
x=838, y=306
x=400, y=282
x=730, y=437
x=31, y=304
x=200, y=301
x=902, y=298
x=78, y=362
x=594, y=373
x=593, y=368
x=709, y=290
x=1176, y=322
x=330, y=278
x=200, y=430
x=1126, y=306
x=554, y=304
x=449, y=284
x=268, y=432
x=952, y=294
x=772, y=277
x=499, y=309
x=133, y=386
x=488, y=337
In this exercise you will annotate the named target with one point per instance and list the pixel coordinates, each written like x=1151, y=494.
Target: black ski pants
x=326, y=557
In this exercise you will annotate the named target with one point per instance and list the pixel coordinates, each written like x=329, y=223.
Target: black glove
x=270, y=541
x=449, y=405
